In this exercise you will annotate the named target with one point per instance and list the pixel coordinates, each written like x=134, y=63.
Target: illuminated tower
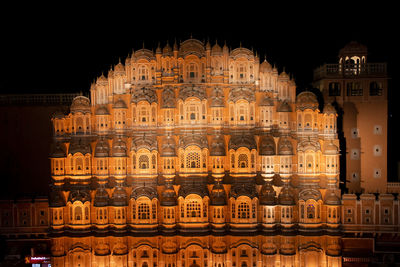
x=360, y=90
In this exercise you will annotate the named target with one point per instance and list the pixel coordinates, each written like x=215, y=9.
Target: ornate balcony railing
x=349, y=70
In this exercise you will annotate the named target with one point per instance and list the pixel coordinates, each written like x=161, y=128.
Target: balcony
x=350, y=70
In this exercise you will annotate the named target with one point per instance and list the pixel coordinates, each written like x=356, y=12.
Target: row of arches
x=196, y=209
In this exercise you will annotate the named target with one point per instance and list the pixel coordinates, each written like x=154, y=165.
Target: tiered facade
x=195, y=140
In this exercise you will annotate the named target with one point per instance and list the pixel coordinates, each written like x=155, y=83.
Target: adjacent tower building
x=359, y=90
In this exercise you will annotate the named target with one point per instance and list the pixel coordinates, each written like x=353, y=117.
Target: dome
x=144, y=191
x=238, y=93
x=79, y=194
x=168, y=98
x=332, y=199
x=192, y=91
x=267, y=101
x=306, y=100
x=102, y=110
x=168, y=197
x=102, y=80
x=168, y=147
x=58, y=150
x=119, y=197
x=119, y=148
x=120, y=104
x=79, y=145
x=217, y=146
x=216, y=50
x=193, y=140
x=56, y=198
x=144, y=94
x=285, y=196
x=102, y=149
x=329, y=109
x=242, y=140
x=267, y=195
x=310, y=193
x=330, y=149
x=353, y=49
x=284, y=107
x=80, y=104
x=218, y=195
x=167, y=50
x=192, y=47
x=119, y=67
x=146, y=141
x=267, y=146
x=101, y=198
x=265, y=66
x=283, y=77
x=285, y=147
x=217, y=98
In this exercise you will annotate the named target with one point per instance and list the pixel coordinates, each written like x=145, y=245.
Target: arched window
x=143, y=73
x=143, y=162
x=193, y=209
x=243, y=161
x=310, y=211
x=192, y=71
x=243, y=211
x=193, y=160
x=143, y=211
x=78, y=213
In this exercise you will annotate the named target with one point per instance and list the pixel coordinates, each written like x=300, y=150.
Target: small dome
x=144, y=94
x=284, y=107
x=218, y=195
x=101, y=198
x=285, y=196
x=267, y=195
x=120, y=104
x=102, y=149
x=168, y=197
x=102, y=110
x=330, y=149
x=119, y=67
x=329, y=109
x=242, y=140
x=284, y=77
x=79, y=145
x=332, y=199
x=353, y=49
x=217, y=146
x=265, y=66
x=167, y=50
x=285, y=147
x=102, y=80
x=119, y=197
x=56, y=198
x=58, y=150
x=80, y=104
x=79, y=194
x=306, y=100
x=267, y=146
x=168, y=147
x=119, y=148
x=267, y=101
x=216, y=50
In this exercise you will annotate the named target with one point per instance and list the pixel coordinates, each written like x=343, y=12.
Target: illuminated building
x=199, y=155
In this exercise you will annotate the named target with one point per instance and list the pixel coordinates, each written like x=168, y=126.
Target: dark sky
x=63, y=48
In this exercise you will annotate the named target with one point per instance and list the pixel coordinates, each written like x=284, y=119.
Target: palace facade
x=200, y=155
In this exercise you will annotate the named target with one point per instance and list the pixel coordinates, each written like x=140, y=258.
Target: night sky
x=64, y=48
